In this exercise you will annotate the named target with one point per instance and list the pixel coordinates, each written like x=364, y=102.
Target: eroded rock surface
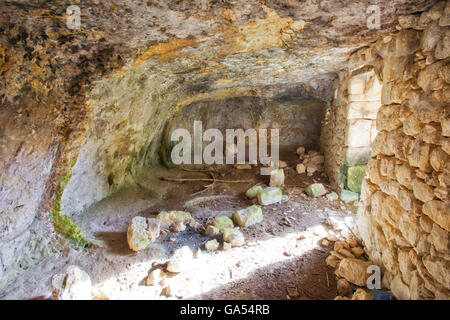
x=83, y=111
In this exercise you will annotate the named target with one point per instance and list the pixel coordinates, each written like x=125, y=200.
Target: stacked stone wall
x=404, y=214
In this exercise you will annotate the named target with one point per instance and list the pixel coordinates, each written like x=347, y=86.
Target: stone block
x=222, y=223
x=248, y=216
x=355, y=176
x=348, y=196
x=269, y=196
x=253, y=191
x=316, y=190
x=439, y=238
x=363, y=110
x=141, y=231
x=353, y=270
x=277, y=178
x=439, y=212
x=422, y=191
x=388, y=118
x=332, y=196
x=233, y=236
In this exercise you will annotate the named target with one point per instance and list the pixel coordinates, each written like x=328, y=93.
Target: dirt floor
x=282, y=257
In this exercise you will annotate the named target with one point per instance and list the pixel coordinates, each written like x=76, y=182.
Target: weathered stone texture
x=404, y=216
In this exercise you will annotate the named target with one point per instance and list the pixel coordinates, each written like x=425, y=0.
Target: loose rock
x=170, y=218
x=269, y=196
x=332, y=196
x=212, y=245
x=354, y=271
x=253, y=191
x=75, y=284
x=349, y=196
x=277, y=178
x=154, y=278
x=212, y=231
x=300, y=168
x=357, y=252
x=222, y=223
x=300, y=151
x=233, y=236
x=361, y=294
x=248, y=216
x=316, y=190
x=344, y=288
x=141, y=232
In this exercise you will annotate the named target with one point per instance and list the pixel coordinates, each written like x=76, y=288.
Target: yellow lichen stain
x=224, y=80
x=229, y=15
x=260, y=62
x=272, y=31
x=165, y=50
x=3, y=66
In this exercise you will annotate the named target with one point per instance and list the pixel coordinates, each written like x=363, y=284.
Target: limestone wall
x=298, y=119
x=404, y=215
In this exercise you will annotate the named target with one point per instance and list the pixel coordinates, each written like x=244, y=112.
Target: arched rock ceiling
x=62, y=87
x=224, y=43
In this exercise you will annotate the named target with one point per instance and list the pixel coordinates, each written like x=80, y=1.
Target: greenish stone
x=332, y=196
x=349, y=196
x=355, y=176
x=223, y=222
x=248, y=216
x=253, y=191
x=269, y=196
x=212, y=231
x=316, y=190
x=168, y=218
x=233, y=236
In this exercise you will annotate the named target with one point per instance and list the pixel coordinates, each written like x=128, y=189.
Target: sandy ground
x=282, y=257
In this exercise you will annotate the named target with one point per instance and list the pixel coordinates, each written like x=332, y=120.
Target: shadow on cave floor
x=301, y=278
x=281, y=252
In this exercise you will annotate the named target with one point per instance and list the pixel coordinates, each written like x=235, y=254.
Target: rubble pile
x=311, y=161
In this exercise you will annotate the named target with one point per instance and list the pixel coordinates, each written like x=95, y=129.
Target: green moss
x=355, y=176
x=62, y=223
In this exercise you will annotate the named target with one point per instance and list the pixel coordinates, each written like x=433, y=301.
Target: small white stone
x=212, y=245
